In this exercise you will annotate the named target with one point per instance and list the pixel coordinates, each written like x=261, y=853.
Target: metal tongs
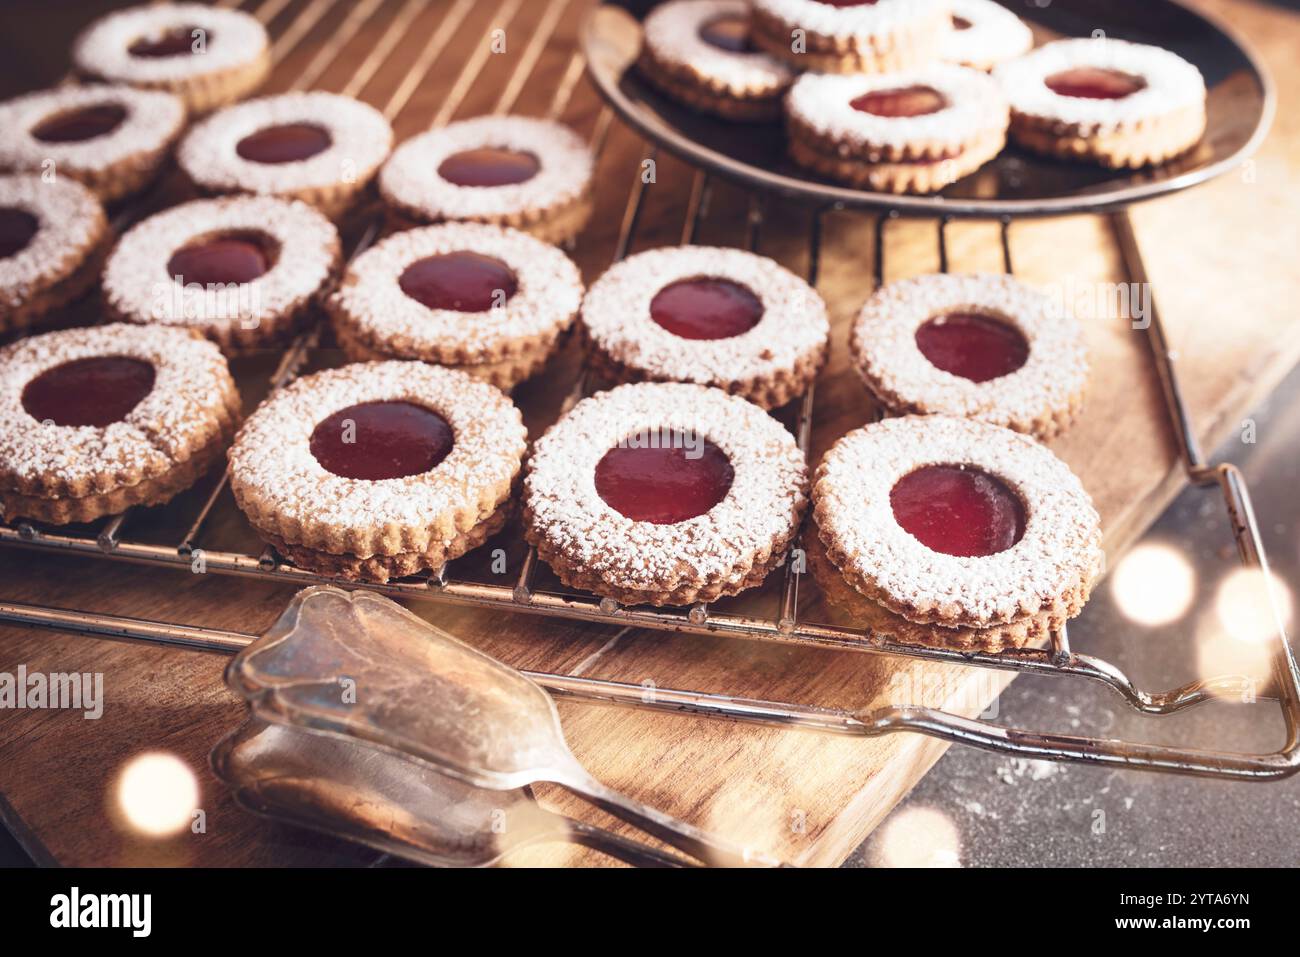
x=370, y=723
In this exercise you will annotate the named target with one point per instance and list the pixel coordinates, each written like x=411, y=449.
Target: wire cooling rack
x=112, y=539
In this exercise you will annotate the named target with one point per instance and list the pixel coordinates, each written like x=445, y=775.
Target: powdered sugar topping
x=1171, y=82
x=884, y=346
x=411, y=178
x=152, y=121
x=229, y=39
x=994, y=34
x=1060, y=546
x=372, y=302
x=272, y=452
x=975, y=105
x=672, y=35
x=616, y=314
x=174, y=419
x=137, y=282
x=360, y=140
x=767, y=494
x=69, y=222
x=864, y=20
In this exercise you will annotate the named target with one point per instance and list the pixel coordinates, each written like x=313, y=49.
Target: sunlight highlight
x=919, y=837
x=157, y=793
x=1153, y=584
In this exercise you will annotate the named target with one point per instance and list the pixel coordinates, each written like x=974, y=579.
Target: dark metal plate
x=1017, y=183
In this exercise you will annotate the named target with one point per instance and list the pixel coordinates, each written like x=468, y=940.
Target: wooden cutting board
x=805, y=798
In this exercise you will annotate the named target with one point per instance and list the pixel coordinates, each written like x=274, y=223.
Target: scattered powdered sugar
x=762, y=505
x=616, y=313
x=360, y=140
x=672, y=35
x=272, y=452
x=1171, y=82
x=995, y=34
x=232, y=38
x=884, y=346
x=138, y=284
x=865, y=20
x=370, y=298
x=1021, y=769
x=152, y=120
x=69, y=221
x=1060, y=546
x=975, y=105
x=190, y=381
x=411, y=178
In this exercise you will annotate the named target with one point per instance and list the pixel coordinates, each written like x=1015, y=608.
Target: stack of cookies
x=909, y=96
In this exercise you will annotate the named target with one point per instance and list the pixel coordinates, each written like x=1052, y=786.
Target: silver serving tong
x=359, y=666
x=404, y=808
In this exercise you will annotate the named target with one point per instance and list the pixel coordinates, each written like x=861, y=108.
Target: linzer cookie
x=664, y=494
x=321, y=148
x=958, y=524
x=205, y=55
x=843, y=36
x=979, y=346
x=517, y=171
x=1120, y=104
x=93, y=421
x=719, y=317
x=984, y=34
x=111, y=138
x=912, y=132
x=378, y=470
x=53, y=238
x=243, y=270
x=700, y=53
x=488, y=300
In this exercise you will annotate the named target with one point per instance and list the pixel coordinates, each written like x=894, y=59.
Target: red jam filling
x=706, y=308
x=462, y=281
x=900, y=101
x=489, y=166
x=176, y=42
x=664, y=486
x=958, y=511
x=97, y=391
x=285, y=143
x=381, y=440
x=728, y=32
x=17, y=227
x=221, y=260
x=960, y=23
x=74, y=126
x=848, y=3
x=1094, y=83
x=972, y=346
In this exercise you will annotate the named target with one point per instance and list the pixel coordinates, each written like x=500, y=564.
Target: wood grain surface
x=1222, y=261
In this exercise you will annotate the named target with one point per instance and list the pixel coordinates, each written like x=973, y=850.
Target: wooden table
x=806, y=798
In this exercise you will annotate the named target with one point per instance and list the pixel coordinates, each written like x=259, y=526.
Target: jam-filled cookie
x=843, y=36
x=530, y=174
x=984, y=34
x=664, y=494
x=493, y=302
x=53, y=238
x=243, y=270
x=978, y=346
x=113, y=139
x=958, y=524
x=1119, y=104
x=913, y=132
x=720, y=317
x=321, y=148
x=700, y=53
x=378, y=470
x=93, y=421
x=207, y=56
